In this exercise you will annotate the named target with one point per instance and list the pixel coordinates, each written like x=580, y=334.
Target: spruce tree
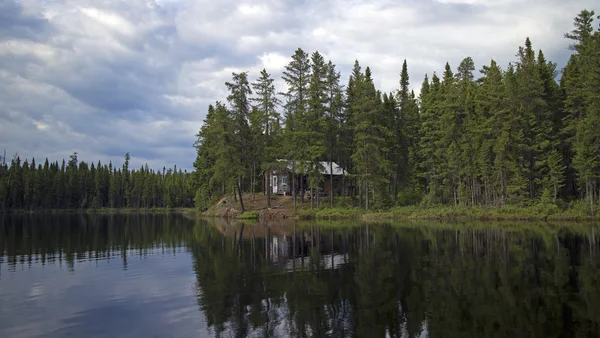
x=296, y=76
x=268, y=117
x=313, y=127
x=370, y=161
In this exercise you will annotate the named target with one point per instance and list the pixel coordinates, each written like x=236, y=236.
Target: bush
x=383, y=200
x=254, y=214
x=407, y=197
x=303, y=213
x=342, y=202
x=338, y=213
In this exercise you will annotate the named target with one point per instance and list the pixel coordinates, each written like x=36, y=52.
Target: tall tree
x=371, y=163
x=335, y=105
x=313, y=127
x=238, y=137
x=296, y=76
x=268, y=119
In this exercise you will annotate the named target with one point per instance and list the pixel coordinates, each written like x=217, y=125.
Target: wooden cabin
x=281, y=179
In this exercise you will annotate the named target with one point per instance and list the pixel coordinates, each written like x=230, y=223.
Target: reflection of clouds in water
x=101, y=298
x=36, y=290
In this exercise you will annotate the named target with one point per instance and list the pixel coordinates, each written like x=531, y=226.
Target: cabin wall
x=281, y=183
x=282, y=188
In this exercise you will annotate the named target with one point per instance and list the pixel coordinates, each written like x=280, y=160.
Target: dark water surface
x=168, y=276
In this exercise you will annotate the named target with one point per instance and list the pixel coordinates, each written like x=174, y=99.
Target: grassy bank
x=282, y=207
x=575, y=212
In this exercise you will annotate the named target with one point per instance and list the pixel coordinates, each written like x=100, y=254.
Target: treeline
x=511, y=136
x=76, y=184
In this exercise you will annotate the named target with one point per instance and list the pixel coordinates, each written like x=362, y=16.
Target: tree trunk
x=395, y=190
x=253, y=180
x=268, y=185
x=455, y=195
x=330, y=182
x=472, y=190
x=374, y=201
x=318, y=197
x=360, y=194
x=312, y=200
x=367, y=197
x=343, y=191
x=240, y=194
x=301, y=189
x=294, y=189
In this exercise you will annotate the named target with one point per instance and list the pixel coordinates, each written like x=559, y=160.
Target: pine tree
x=238, y=137
x=268, y=118
x=313, y=126
x=491, y=133
x=405, y=126
x=335, y=105
x=296, y=76
x=371, y=165
x=429, y=131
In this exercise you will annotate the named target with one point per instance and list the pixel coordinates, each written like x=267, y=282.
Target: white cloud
x=274, y=61
x=111, y=21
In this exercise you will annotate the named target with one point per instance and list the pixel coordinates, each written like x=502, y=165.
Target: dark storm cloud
x=15, y=22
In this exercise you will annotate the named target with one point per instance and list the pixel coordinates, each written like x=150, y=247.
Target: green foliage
x=409, y=196
x=253, y=214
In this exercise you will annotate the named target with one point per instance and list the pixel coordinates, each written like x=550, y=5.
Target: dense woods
x=509, y=136
x=76, y=184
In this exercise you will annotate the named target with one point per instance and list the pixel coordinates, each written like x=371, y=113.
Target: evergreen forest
x=78, y=185
x=507, y=135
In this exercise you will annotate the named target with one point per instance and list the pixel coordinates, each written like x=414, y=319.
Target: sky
x=106, y=77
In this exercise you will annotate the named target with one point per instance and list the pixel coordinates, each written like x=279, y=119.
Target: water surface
x=167, y=276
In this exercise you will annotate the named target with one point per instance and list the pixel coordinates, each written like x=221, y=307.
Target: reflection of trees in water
x=401, y=282
x=44, y=239
x=373, y=281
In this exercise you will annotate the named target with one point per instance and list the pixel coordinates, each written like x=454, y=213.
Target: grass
x=328, y=213
x=345, y=209
x=574, y=212
x=252, y=214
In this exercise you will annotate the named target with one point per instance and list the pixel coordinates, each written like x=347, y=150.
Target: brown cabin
x=281, y=180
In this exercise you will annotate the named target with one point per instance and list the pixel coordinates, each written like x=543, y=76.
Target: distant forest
x=79, y=185
x=512, y=136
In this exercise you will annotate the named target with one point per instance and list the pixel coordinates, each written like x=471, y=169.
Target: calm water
x=167, y=276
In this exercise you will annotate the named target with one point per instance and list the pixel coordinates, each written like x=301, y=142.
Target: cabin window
x=284, y=180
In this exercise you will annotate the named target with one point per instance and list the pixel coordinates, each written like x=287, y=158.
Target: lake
x=169, y=276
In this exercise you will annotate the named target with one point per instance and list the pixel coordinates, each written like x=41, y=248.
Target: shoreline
x=442, y=213
x=99, y=211
x=436, y=213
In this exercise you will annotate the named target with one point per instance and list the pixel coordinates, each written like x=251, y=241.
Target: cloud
x=104, y=78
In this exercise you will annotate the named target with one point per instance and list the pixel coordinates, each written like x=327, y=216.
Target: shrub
x=253, y=214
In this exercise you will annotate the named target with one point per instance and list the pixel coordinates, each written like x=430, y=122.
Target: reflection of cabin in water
x=281, y=179
x=297, y=256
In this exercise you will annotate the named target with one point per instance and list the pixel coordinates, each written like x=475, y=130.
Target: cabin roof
x=336, y=169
